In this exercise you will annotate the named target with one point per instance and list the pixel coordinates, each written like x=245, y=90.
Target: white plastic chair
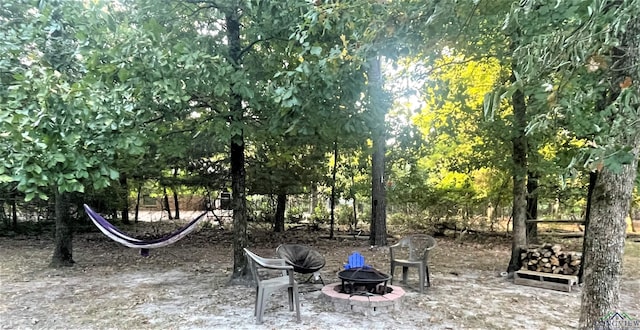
x=412, y=251
x=267, y=286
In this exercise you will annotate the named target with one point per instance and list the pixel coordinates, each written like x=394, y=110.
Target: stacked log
x=549, y=258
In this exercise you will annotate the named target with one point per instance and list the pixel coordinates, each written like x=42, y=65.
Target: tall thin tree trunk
x=633, y=227
x=314, y=199
x=125, y=198
x=14, y=212
x=378, y=235
x=493, y=210
x=239, y=202
x=3, y=215
x=334, y=170
x=355, y=202
x=278, y=225
x=593, y=176
x=176, y=201
x=62, y=253
x=519, y=157
x=138, y=202
x=165, y=201
x=532, y=207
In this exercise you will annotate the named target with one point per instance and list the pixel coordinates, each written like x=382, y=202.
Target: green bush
x=320, y=214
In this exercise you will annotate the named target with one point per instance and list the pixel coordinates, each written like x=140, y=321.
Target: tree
x=86, y=83
x=284, y=166
x=594, y=84
x=363, y=33
x=253, y=36
x=614, y=186
x=58, y=137
x=519, y=156
x=467, y=154
x=378, y=228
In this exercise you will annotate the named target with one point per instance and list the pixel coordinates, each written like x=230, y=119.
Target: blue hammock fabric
x=144, y=245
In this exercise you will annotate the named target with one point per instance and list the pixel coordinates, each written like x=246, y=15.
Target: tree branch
x=153, y=120
x=211, y=3
x=201, y=8
x=177, y=132
x=248, y=48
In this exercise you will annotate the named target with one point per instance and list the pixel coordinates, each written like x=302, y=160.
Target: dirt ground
x=185, y=286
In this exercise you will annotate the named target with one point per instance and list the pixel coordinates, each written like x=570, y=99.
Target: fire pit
x=368, y=304
x=363, y=281
x=363, y=289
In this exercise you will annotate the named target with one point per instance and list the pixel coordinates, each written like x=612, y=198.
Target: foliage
x=573, y=61
x=82, y=86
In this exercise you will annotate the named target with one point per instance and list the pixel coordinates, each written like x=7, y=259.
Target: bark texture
x=165, y=201
x=519, y=157
x=593, y=176
x=532, y=207
x=14, y=212
x=334, y=171
x=378, y=228
x=278, y=225
x=124, y=184
x=238, y=174
x=63, y=251
x=605, y=244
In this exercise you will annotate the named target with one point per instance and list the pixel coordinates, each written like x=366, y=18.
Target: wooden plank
x=545, y=280
x=543, y=284
x=550, y=275
x=555, y=221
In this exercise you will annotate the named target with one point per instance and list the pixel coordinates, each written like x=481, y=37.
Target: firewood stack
x=549, y=258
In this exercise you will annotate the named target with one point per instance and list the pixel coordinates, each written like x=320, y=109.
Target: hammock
x=144, y=245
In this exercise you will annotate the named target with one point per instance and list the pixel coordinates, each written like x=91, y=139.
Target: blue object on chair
x=356, y=260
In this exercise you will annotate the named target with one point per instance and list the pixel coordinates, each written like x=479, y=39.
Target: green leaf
x=5, y=178
x=220, y=89
x=123, y=74
x=58, y=157
x=29, y=196
x=316, y=50
x=113, y=174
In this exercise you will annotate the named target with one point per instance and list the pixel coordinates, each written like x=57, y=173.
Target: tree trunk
x=176, y=204
x=138, y=202
x=14, y=212
x=334, y=170
x=165, y=201
x=532, y=207
x=612, y=192
x=314, y=199
x=633, y=227
x=593, y=176
x=125, y=198
x=3, y=215
x=355, y=202
x=378, y=235
x=62, y=253
x=519, y=157
x=239, y=207
x=605, y=244
x=278, y=225
x=238, y=201
x=176, y=201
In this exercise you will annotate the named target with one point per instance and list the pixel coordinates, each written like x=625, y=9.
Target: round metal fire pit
x=363, y=280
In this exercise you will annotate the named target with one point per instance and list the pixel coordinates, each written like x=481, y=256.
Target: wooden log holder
x=545, y=280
